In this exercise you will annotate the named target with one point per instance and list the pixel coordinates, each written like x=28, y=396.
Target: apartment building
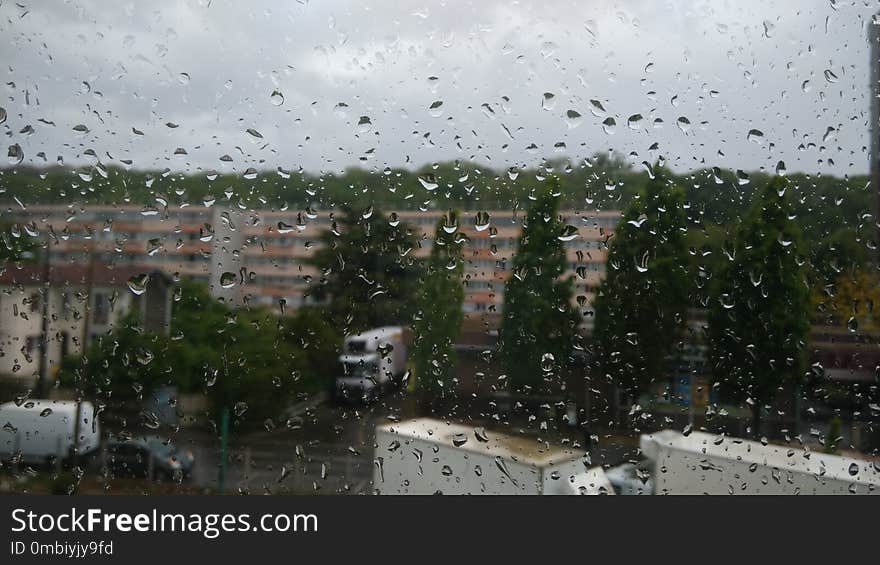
x=261, y=256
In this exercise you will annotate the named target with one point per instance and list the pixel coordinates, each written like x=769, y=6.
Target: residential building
x=85, y=301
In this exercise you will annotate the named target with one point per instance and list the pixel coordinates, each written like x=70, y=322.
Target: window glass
x=462, y=247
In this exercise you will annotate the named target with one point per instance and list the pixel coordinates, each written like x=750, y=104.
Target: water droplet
x=239, y=409
x=284, y=228
x=2, y=114
x=683, y=124
x=450, y=222
x=436, y=108
x=830, y=76
x=572, y=119
x=634, y=121
x=852, y=324
x=756, y=136
x=853, y=469
x=547, y=362
x=480, y=434
x=481, y=221
x=364, y=124
x=276, y=98
x=183, y=78
x=502, y=466
x=138, y=284
x=46, y=412
x=428, y=181
x=548, y=101
x=227, y=279
x=459, y=439
x=609, y=124
x=15, y=154
x=597, y=108
x=254, y=133
x=569, y=233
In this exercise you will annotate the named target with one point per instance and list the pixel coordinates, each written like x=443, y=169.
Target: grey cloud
x=377, y=59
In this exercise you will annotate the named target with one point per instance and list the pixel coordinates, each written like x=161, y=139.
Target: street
x=328, y=451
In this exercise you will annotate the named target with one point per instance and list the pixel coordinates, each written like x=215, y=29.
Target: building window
x=35, y=302
x=101, y=313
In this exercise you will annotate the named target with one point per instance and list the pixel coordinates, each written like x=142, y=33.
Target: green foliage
x=759, y=316
x=121, y=365
x=247, y=360
x=641, y=306
x=367, y=271
x=440, y=315
x=15, y=244
x=833, y=437
x=539, y=323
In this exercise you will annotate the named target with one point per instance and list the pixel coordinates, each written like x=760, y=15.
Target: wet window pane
x=477, y=247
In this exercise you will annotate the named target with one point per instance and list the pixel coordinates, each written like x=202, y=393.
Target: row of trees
x=754, y=282
x=753, y=279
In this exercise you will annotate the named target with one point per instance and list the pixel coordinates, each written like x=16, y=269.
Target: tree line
x=762, y=254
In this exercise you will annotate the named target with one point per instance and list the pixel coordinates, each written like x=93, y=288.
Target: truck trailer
x=427, y=456
x=701, y=463
x=40, y=431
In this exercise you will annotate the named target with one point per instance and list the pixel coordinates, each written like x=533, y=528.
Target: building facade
x=85, y=301
x=261, y=256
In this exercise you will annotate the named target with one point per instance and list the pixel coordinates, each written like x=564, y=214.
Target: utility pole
x=874, y=125
x=77, y=424
x=45, y=295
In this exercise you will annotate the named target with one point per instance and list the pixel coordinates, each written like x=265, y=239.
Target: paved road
x=329, y=451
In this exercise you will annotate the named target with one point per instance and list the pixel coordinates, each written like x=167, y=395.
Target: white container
x=44, y=429
x=426, y=456
x=703, y=463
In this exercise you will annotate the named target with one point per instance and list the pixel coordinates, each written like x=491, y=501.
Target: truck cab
x=371, y=362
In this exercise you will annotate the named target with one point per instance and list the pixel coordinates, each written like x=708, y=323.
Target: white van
x=41, y=430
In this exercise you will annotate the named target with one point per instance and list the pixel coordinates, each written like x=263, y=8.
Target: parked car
x=149, y=457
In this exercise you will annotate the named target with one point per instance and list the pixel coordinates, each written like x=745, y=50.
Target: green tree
x=248, y=361
x=121, y=366
x=15, y=243
x=439, y=317
x=759, y=317
x=641, y=306
x=367, y=270
x=539, y=323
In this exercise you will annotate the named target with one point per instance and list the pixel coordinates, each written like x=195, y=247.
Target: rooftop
x=520, y=449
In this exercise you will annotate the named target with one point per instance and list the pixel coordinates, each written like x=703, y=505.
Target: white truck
x=371, y=361
x=701, y=463
x=427, y=456
x=39, y=431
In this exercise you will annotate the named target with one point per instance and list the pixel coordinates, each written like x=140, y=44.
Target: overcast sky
x=359, y=80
